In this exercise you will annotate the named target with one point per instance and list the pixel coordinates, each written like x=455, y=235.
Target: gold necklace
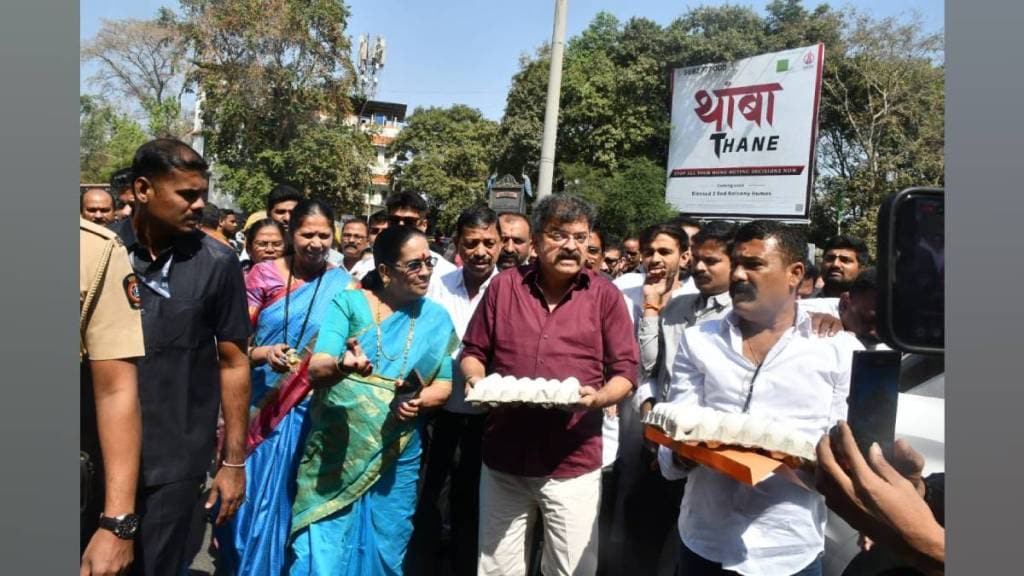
x=408, y=341
x=750, y=347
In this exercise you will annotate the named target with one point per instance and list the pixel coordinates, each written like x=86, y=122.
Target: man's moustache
x=742, y=291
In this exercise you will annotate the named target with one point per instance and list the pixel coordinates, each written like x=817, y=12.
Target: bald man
x=97, y=206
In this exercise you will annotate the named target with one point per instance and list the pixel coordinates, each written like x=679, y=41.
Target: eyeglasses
x=265, y=245
x=561, y=238
x=416, y=265
x=612, y=261
x=410, y=221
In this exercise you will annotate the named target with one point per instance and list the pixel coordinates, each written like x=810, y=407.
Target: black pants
x=453, y=459
x=163, y=535
x=645, y=509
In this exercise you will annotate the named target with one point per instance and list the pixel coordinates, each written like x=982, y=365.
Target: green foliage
x=445, y=153
x=276, y=75
x=107, y=139
x=164, y=118
x=628, y=199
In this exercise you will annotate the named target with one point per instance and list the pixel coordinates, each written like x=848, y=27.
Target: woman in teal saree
x=357, y=478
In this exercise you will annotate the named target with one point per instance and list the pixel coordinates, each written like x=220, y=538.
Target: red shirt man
x=554, y=319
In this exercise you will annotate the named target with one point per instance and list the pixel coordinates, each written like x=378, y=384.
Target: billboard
x=743, y=136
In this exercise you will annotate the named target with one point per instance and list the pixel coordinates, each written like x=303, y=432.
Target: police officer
x=111, y=426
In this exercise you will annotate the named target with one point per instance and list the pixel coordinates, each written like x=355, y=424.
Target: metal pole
x=547, y=149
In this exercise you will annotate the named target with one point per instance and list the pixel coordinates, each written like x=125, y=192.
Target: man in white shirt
x=354, y=241
x=406, y=209
x=762, y=358
x=845, y=256
x=458, y=427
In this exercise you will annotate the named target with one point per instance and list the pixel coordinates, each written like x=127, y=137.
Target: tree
x=882, y=125
x=445, y=153
x=276, y=78
x=146, y=63
x=107, y=139
x=628, y=199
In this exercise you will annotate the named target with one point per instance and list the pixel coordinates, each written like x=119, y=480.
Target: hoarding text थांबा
x=743, y=136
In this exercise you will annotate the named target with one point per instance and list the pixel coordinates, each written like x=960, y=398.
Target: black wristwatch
x=124, y=526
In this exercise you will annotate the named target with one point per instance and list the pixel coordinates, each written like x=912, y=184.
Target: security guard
x=111, y=425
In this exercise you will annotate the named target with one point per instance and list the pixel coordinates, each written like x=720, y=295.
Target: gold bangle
x=655, y=307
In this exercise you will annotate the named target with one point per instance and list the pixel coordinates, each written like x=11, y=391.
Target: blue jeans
x=692, y=564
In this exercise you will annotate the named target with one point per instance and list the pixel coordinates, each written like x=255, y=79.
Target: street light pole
x=547, y=149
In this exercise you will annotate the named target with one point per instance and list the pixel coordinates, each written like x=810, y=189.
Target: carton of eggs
x=496, y=389
x=691, y=423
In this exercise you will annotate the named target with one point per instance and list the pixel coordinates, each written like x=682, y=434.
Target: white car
x=921, y=421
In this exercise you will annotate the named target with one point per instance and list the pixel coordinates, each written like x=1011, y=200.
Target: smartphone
x=874, y=391
x=409, y=389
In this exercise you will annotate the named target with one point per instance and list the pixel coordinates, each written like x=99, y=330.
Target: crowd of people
x=312, y=375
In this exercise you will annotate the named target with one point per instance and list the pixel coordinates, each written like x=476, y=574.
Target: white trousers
x=569, y=507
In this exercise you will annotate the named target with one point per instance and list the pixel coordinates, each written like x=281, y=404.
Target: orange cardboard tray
x=743, y=465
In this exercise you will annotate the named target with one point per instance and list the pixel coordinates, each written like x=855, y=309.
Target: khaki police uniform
x=114, y=329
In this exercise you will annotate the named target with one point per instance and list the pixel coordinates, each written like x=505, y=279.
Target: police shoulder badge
x=131, y=290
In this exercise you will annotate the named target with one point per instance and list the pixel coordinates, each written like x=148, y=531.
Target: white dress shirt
x=823, y=305
x=336, y=259
x=775, y=527
x=450, y=292
x=690, y=286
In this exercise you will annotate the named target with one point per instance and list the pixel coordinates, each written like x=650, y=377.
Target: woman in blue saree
x=288, y=297
x=357, y=480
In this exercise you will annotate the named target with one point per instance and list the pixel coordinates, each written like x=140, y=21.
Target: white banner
x=743, y=136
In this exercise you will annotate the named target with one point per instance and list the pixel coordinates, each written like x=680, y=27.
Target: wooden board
x=743, y=465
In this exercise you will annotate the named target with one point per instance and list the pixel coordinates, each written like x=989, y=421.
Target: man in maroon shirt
x=553, y=319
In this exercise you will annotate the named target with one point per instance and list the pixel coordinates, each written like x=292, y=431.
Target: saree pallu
x=357, y=478
x=255, y=541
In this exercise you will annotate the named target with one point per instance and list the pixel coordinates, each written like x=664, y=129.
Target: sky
x=444, y=52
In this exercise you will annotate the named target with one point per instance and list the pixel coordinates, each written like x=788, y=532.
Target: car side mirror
x=911, y=271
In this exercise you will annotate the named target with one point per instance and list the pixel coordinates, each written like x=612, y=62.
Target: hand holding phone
x=874, y=391
x=407, y=390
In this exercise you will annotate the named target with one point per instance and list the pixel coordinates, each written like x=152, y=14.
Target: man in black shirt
x=195, y=327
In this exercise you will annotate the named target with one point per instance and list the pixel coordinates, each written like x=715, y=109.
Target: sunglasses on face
x=378, y=229
x=416, y=265
x=632, y=254
x=410, y=221
x=611, y=261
